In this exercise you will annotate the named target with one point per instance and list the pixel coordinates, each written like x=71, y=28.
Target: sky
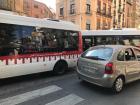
x=49, y=3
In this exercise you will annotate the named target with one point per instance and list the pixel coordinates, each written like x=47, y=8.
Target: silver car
x=110, y=66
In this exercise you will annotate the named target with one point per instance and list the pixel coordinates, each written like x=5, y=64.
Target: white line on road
x=67, y=100
x=29, y=95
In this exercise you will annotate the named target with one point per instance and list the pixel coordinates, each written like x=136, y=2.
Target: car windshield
x=98, y=54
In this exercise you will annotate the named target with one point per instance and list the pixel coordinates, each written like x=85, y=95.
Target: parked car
x=110, y=66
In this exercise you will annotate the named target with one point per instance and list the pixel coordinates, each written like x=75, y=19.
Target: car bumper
x=105, y=81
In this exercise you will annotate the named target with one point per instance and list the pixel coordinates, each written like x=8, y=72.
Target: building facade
x=97, y=14
x=88, y=14
x=29, y=8
x=136, y=14
x=122, y=13
x=36, y=9
x=16, y=6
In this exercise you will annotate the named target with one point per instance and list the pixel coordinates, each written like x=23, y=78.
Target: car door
x=132, y=72
x=137, y=53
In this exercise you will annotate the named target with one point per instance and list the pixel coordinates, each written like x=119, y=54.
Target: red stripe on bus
x=39, y=55
x=43, y=59
x=55, y=58
x=23, y=60
x=37, y=59
x=15, y=61
x=6, y=61
x=30, y=60
x=49, y=58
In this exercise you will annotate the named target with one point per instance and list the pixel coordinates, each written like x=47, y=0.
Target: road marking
x=29, y=95
x=71, y=99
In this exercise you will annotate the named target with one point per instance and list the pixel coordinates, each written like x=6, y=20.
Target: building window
x=35, y=6
x=104, y=9
x=26, y=6
x=128, y=12
x=98, y=24
x=87, y=26
x=119, y=18
x=61, y=11
x=99, y=6
x=88, y=11
x=109, y=11
x=72, y=8
x=120, y=2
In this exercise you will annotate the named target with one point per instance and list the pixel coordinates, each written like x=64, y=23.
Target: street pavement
x=47, y=89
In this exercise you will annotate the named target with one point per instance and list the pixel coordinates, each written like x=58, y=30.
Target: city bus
x=30, y=45
x=125, y=36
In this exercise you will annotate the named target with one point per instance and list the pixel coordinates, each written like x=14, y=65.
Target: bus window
x=131, y=40
x=87, y=43
x=102, y=40
x=9, y=43
x=70, y=40
x=59, y=40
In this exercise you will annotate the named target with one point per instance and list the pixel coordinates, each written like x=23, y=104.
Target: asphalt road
x=47, y=89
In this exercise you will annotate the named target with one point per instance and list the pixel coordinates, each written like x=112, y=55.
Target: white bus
x=126, y=36
x=29, y=45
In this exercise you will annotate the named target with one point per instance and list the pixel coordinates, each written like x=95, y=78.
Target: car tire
x=118, y=85
x=60, y=68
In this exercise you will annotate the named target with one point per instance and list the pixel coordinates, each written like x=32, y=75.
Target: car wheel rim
x=119, y=84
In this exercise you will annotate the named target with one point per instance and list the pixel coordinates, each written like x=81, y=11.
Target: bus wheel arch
x=60, y=67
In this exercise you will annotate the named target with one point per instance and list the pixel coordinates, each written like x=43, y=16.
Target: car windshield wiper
x=94, y=58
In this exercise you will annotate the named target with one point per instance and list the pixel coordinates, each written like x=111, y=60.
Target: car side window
x=120, y=56
x=137, y=52
x=129, y=55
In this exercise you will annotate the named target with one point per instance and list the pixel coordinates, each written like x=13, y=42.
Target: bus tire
x=60, y=67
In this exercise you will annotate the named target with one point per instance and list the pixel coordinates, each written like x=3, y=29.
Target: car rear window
x=98, y=54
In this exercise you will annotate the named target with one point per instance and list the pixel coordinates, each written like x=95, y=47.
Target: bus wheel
x=60, y=67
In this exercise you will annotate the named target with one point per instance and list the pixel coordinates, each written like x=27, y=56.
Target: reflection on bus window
x=117, y=40
x=16, y=39
x=102, y=40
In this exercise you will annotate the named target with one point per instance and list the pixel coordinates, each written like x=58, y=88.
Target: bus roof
x=30, y=21
x=117, y=32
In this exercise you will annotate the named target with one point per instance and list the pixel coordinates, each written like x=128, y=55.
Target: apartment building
x=88, y=14
x=29, y=8
x=16, y=6
x=137, y=14
x=123, y=13
x=36, y=9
